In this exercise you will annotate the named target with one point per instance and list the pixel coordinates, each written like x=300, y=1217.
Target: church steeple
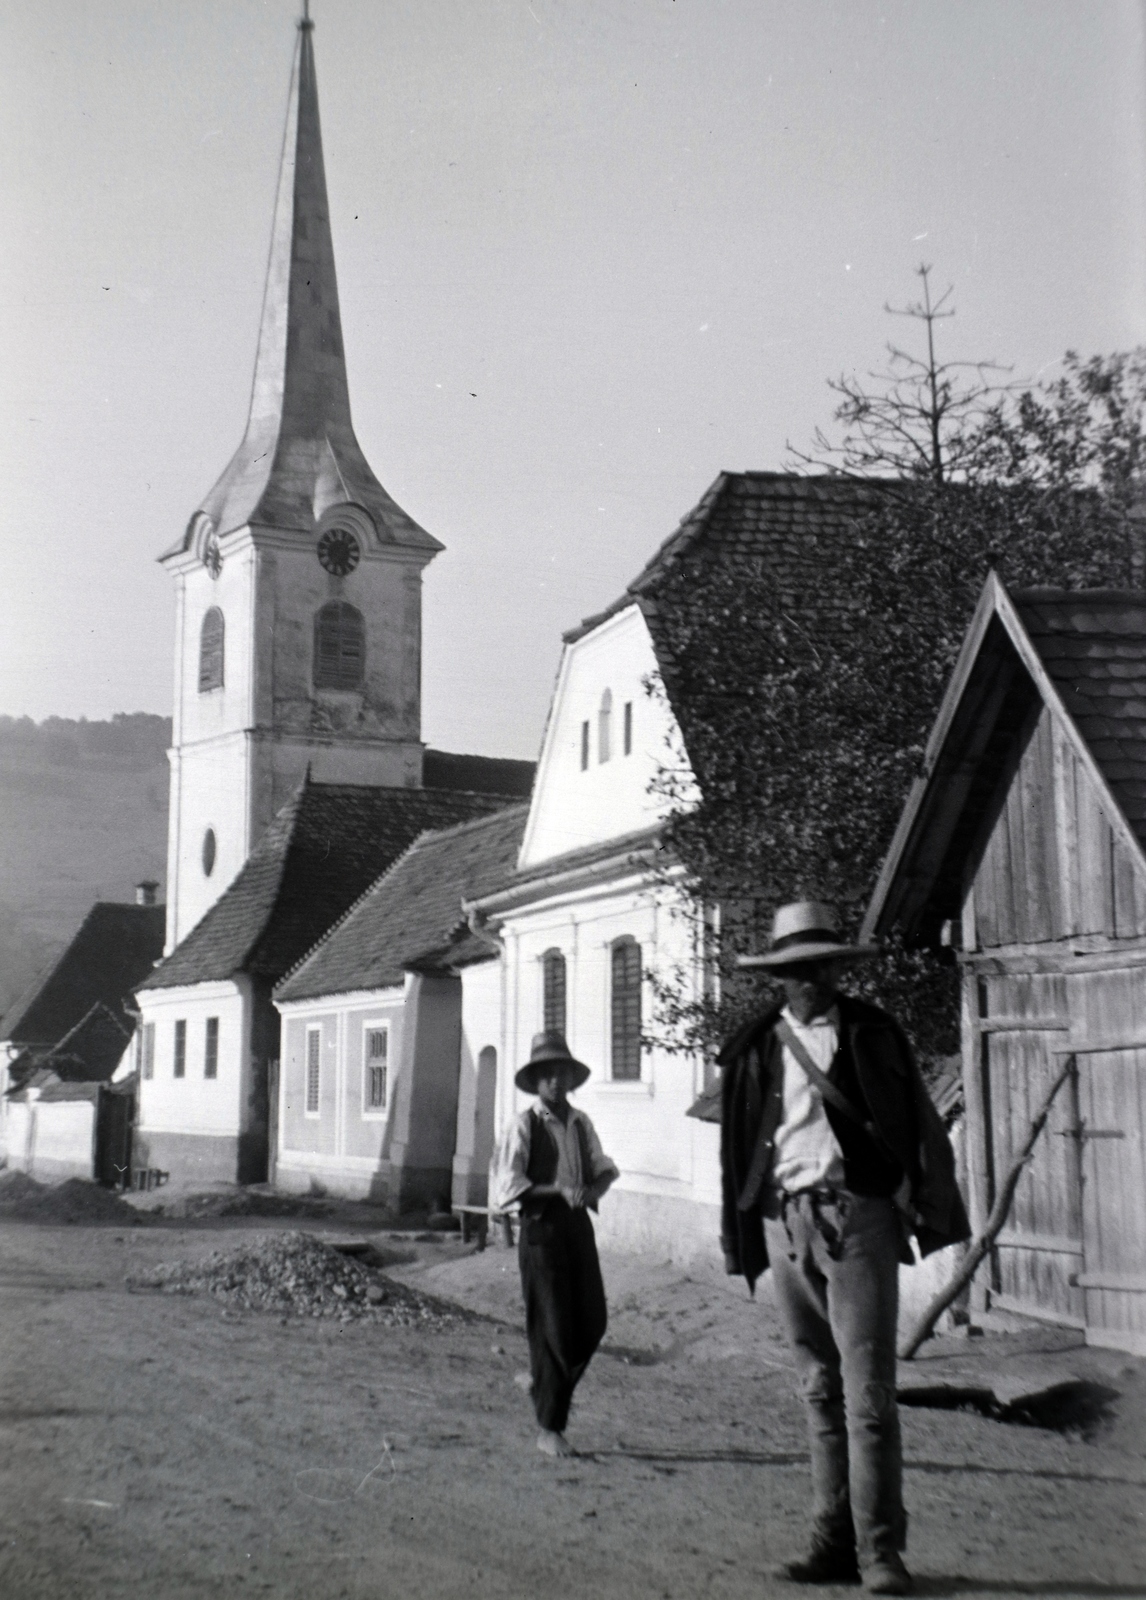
x=299, y=454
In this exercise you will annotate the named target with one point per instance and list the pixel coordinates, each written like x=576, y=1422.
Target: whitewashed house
x=594, y=907
x=390, y=1031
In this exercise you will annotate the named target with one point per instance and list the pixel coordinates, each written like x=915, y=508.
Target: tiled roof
x=1093, y=645
x=325, y=847
x=479, y=774
x=114, y=949
x=796, y=522
x=413, y=910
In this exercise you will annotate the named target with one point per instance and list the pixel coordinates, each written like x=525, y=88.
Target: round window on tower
x=208, y=852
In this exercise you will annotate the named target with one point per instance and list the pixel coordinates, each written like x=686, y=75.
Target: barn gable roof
x=411, y=915
x=1080, y=653
x=321, y=851
x=113, y=949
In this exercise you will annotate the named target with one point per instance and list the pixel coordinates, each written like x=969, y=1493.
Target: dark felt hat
x=806, y=930
x=548, y=1048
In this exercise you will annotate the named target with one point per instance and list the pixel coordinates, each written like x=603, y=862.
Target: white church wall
x=579, y=798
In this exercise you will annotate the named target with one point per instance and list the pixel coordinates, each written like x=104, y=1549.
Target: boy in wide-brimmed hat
x=831, y=1152
x=550, y=1165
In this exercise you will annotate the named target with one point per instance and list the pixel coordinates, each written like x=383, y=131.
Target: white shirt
x=807, y=1151
x=509, y=1179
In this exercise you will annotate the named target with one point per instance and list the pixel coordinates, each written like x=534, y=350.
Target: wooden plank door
x=1112, y=1139
x=1036, y=1259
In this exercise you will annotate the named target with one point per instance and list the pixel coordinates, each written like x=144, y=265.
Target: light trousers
x=835, y=1269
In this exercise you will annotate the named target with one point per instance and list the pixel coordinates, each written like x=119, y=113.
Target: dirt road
x=168, y=1447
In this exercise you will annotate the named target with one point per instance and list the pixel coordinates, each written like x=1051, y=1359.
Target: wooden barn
x=1023, y=847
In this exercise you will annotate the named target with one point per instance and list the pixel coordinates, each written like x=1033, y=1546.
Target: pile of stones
x=297, y=1274
x=75, y=1203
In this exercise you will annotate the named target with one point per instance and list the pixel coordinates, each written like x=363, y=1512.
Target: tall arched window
x=339, y=647
x=553, y=990
x=625, y=1000
x=605, y=727
x=211, y=650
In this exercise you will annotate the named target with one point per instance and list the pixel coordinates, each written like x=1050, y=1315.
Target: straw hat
x=806, y=930
x=549, y=1047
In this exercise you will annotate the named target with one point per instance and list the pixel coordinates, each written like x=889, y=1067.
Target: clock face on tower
x=338, y=552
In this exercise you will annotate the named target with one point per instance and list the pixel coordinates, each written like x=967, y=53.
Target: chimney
x=145, y=892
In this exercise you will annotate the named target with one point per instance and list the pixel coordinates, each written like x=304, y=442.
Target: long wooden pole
x=991, y=1227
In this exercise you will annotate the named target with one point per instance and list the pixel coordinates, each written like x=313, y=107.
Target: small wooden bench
x=475, y=1221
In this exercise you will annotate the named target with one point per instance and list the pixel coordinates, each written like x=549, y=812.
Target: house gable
x=592, y=784
x=1024, y=780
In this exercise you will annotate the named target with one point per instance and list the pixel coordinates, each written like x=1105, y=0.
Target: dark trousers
x=835, y=1268
x=565, y=1313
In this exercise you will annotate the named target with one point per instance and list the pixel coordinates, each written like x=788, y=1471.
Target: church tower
x=298, y=579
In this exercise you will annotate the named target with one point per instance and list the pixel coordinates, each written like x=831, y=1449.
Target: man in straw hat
x=551, y=1166
x=831, y=1154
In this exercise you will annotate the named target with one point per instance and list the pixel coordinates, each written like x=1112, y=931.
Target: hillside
x=83, y=817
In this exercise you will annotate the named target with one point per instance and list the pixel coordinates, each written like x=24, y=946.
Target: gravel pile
x=74, y=1202
x=296, y=1274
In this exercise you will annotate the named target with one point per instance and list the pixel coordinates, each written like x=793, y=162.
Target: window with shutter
x=625, y=1000
x=605, y=727
x=313, y=1069
x=628, y=727
x=339, y=647
x=147, y=1051
x=584, y=746
x=553, y=990
x=211, y=1049
x=211, y=651
x=180, y=1049
x=377, y=1063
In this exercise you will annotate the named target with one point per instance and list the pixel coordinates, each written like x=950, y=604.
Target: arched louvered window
x=605, y=727
x=553, y=990
x=625, y=1002
x=211, y=650
x=339, y=647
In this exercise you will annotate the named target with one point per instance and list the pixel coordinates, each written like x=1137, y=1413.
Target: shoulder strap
x=826, y=1087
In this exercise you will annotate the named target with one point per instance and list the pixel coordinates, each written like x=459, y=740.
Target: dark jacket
x=874, y=1066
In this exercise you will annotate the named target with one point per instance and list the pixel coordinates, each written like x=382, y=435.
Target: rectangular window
x=584, y=747
x=553, y=991
x=147, y=1050
x=628, y=727
x=377, y=1062
x=626, y=1009
x=211, y=1049
x=313, y=1069
x=180, y=1049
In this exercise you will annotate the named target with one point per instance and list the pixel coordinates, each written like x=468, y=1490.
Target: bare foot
x=523, y=1381
x=553, y=1444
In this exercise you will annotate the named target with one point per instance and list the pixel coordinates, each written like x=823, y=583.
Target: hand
x=574, y=1196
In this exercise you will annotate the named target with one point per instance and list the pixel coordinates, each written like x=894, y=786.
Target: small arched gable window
x=553, y=990
x=211, y=650
x=339, y=647
x=605, y=727
x=625, y=1005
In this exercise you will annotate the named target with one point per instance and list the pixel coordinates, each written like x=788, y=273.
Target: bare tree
x=919, y=418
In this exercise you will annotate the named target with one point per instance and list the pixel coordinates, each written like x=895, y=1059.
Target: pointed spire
x=299, y=455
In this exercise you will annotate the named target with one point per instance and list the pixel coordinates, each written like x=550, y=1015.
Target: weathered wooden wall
x=1054, y=936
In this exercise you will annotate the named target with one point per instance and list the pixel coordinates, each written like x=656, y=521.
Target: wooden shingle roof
x=1093, y=645
x=323, y=849
x=412, y=911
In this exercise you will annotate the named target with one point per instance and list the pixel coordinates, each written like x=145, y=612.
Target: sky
x=590, y=254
